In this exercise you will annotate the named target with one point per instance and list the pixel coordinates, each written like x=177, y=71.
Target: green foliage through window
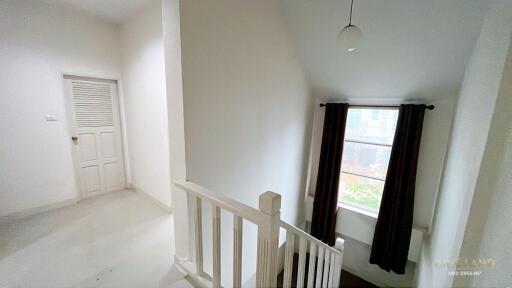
x=363, y=194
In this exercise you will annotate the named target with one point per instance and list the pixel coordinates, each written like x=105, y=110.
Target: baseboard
x=41, y=209
x=91, y=195
x=151, y=198
x=189, y=271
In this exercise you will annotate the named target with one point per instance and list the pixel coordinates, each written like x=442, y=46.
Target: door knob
x=74, y=138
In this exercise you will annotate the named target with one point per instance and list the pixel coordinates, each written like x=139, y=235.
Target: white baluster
x=199, y=238
x=338, y=263
x=268, y=237
x=327, y=260
x=237, y=251
x=216, y=246
x=320, y=265
x=312, y=261
x=302, y=262
x=331, y=271
x=288, y=259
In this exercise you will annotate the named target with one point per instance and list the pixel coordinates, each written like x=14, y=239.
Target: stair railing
x=324, y=267
x=267, y=219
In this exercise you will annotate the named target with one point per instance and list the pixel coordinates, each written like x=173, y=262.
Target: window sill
x=357, y=210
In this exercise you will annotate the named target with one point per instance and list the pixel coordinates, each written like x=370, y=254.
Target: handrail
x=247, y=212
x=302, y=234
x=268, y=220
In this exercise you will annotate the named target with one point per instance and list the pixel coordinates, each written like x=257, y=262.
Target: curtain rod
x=428, y=107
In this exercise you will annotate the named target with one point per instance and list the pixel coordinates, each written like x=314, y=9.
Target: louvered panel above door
x=92, y=104
x=97, y=135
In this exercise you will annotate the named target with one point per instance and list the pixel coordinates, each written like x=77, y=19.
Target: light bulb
x=349, y=37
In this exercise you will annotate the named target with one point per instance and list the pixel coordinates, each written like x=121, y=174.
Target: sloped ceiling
x=113, y=11
x=410, y=50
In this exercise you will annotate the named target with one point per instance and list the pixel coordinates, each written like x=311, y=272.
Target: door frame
x=71, y=126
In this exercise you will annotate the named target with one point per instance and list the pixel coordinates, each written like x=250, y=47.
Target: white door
x=96, y=135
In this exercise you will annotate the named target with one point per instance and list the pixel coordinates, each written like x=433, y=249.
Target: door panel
x=91, y=180
x=112, y=179
x=95, y=122
x=108, y=145
x=88, y=147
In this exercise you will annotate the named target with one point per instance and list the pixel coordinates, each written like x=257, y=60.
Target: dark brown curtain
x=323, y=223
x=394, y=224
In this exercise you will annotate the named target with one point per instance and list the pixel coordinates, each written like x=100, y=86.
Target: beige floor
x=119, y=239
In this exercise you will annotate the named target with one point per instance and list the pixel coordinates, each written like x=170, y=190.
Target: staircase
x=324, y=262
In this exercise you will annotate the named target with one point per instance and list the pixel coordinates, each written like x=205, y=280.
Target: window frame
x=344, y=203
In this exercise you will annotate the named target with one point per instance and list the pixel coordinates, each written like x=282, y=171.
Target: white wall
x=145, y=101
x=468, y=140
x=434, y=144
x=173, y=78
x=496, y=235
x=247, y=109
x=39, y=43
x=488, y=231
x=423, y=275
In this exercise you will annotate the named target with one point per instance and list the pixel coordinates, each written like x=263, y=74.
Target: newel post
x=268, y=238
x=338, y=262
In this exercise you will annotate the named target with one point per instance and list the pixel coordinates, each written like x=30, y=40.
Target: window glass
x=367, y=148
x=365, y=159
x=371, y=125
x=361, y=192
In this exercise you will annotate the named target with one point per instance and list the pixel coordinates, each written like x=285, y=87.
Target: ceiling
x=410, y=49
x=113, y=11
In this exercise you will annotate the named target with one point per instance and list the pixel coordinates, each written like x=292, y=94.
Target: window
x=367, y=148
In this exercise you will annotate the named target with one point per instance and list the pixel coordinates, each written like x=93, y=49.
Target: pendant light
x=350, y=36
